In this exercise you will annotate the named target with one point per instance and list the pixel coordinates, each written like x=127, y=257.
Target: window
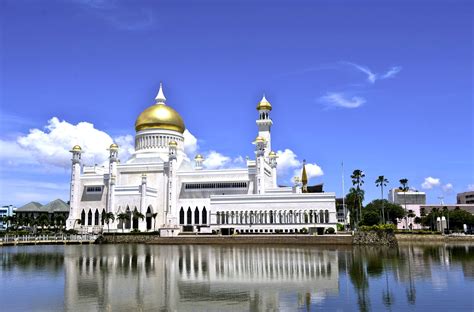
x=219, y=185
x=93, y=189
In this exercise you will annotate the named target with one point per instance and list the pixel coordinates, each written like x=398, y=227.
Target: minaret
x=272, y=157
x=113, y=160
x=304, y=178
x=260, y=145
x=264, y=123
x=172, y=187
x=198, y=162
x=74, y=194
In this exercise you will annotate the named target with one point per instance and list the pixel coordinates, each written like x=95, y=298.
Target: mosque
x=160, y=189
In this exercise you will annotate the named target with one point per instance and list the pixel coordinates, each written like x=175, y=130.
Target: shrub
x=389, y=228
x=330, y=231
x=340, y=227
x=304, y=231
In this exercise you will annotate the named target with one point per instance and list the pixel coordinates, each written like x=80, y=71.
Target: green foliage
x=135, y=231
x=457, y=218
x=370, y=217
x=304, y=231
x=392, y=211
x=389, y=228
x=330, y=231
x=340, y=227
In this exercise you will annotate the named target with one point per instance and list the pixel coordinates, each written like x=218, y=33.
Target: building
x=53, y=209
x=160, y=188
x=412, y=201
x=465, y=198
x=426, y=209
x=6, y=211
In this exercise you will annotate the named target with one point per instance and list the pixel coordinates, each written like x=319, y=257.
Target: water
x=236, y=278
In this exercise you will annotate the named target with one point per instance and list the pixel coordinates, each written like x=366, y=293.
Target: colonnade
x=273, y=217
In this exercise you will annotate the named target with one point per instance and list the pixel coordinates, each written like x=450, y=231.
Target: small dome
x=198, y=157
x=259, y=139
x=272, y=154
x=76, y=148
x=264, y=104
x=114, y=146
x=173, y=143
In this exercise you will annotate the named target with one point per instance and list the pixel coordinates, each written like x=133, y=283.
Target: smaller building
x=465, y=198
x=6, y=211
x=53, y=209
x=411, y=201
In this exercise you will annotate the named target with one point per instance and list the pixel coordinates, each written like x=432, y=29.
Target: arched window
x=204, y=216
x=148, y=218
x=196, y=216
x=218, y=216
x=327, y=216
x=89, y=218
x=271, y=217
x=96, y=217
x=321, y=216
x=189, y=216
x=135, y=219
x=83, y=217
x=181, y=216
x=102, y=217
x=128, y=220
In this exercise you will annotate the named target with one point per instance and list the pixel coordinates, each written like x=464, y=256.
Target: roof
x=56, y=205
x=32, y=206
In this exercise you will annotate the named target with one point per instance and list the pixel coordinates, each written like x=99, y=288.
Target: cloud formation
x=447, y=188
x=430, y=182
x=470, y=187
x=337, y=99
x=288, y=163
x=373, y=77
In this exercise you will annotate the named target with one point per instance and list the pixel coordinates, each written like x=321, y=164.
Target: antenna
x=343, y=196
x=441, y=200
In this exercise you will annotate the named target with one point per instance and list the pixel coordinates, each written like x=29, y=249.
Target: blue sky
x=385, y=86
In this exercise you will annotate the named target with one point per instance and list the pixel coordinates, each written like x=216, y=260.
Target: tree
x=352, y=202
x=381, y=182
x=107, y=217
x=370, y=218
x=404, y=188
x=394, y=211
x=457, y=219
x=59, y=221
x=122, y=217
x=43, y=221
x=154, y=215
x=357, y=181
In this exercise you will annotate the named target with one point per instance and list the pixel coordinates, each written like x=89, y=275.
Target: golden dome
x=114, y=146
x=264, y=104
x=160, y=116
x=259, y=139
x=198, y=156
x=272, y=154
x=76, y=148
x=173, y=143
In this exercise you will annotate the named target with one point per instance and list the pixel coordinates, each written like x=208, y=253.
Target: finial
x=160, y=97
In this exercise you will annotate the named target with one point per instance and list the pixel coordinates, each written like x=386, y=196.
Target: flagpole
x=343, y=197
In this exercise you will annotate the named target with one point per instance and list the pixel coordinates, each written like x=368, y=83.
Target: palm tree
x=404, y=188
x=381, y=182
x=138, y=215
x=154, y=215
x=43, y=221
x=59, y=220
x=107, y=217
x=123, y=217
x=357, y=180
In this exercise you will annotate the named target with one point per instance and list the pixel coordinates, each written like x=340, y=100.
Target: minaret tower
x=272, y=159
x=172, y=181
x=113, y=160
x=264, y=123
x=74, y=194
x=260, y=145
x=198, y=160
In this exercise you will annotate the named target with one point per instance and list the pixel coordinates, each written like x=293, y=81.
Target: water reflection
x=255, y=278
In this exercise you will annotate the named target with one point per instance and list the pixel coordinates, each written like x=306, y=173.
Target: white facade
x=159, y=188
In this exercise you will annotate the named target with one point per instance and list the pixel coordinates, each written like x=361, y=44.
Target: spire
x=264, y=104
x=160, y=97
x=304, y=177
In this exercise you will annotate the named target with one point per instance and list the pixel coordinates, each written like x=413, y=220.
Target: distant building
x=465, y=198
x=6, y=211
x=413, y=200
x=342, y=215
x=426, y=209
x=34, y=209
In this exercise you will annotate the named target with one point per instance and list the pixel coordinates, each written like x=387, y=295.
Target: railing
x=34, y=239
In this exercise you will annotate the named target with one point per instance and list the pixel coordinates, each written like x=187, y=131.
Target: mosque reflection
x=185, y=278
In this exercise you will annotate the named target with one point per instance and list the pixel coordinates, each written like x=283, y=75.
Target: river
x=131, y=277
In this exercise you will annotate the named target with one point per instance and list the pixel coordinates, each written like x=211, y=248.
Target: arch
x=196, y=216
x=135, y=219
x=189, y=216
x=218, y=216
x=321, y=216
x=102, y=217
x=89, y=217
x=181, y=216
x=271, y=216
x=148, y=218
x=204, y=215
x=83, y=217
x=96, y=217
x=128, y=220
x=327, y=216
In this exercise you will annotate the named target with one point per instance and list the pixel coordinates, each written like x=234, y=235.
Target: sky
x=381, y=86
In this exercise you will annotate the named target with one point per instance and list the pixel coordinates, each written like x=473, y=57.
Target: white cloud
x=214, y=160
x=288, y=163
x=373, y=77
x=51, y=146
x=430, y=182
x=337, y=99
x=190, y=144
x=470, y=187
x=447, y=188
